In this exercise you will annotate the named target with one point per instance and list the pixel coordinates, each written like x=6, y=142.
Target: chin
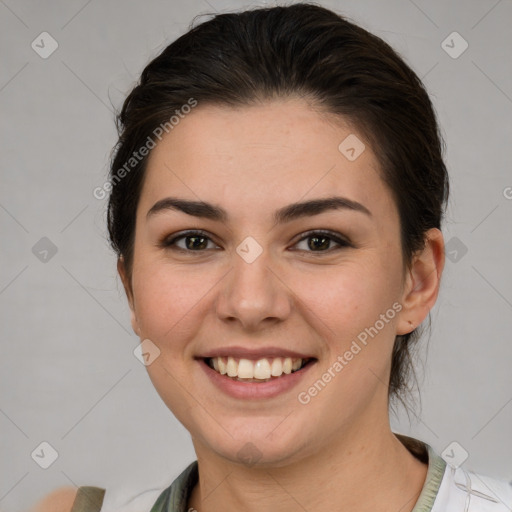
x=264, y=445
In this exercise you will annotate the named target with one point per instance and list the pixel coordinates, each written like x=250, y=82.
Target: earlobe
x=123, y=274
x=422, y=282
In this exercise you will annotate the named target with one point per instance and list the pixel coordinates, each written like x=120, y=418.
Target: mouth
x=257, y=370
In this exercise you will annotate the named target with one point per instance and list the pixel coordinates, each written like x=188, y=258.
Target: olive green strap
x=88, y=499
x=175, y=497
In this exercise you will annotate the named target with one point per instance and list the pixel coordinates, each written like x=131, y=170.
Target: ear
x=123, y=274
x=422, y=282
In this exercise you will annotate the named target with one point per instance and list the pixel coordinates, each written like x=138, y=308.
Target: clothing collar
x=435, y=471
x=175, y=498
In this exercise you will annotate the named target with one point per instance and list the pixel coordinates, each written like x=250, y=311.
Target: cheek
x=171, y=301
x=357, y=307
x=167, y=304
x=349, y=298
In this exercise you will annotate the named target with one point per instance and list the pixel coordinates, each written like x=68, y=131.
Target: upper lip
x=253, y=353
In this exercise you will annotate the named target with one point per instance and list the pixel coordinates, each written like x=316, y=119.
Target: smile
x=260, y=370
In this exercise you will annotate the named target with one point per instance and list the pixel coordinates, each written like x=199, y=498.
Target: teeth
x=232, y=367
x=262, y=369
x=245, y=369
x=277, y=367
x=223, y=367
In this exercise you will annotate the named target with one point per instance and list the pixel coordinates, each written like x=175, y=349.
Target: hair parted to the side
x=298, y=50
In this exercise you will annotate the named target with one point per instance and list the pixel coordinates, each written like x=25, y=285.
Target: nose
x=254, y=294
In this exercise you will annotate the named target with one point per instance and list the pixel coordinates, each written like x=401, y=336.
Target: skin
x=253, y=160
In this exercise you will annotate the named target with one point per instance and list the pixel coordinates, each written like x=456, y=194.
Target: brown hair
x=302, y=49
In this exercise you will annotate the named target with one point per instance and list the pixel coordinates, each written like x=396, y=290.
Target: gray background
x=68, y=373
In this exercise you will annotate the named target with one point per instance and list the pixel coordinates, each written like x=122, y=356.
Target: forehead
x=270, y=154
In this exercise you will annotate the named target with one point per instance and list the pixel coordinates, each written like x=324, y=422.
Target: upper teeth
x=260, y=369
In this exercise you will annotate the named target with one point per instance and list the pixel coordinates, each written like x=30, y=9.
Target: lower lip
x=248, y=390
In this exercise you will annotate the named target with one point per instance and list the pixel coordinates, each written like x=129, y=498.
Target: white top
x=465, y=491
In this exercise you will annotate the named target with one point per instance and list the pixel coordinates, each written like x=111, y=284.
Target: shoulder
x=69, y=499
x=59, y=500
x=467, y=490
x=125, y=499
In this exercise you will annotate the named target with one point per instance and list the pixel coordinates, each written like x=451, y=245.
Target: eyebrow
x=288, y=213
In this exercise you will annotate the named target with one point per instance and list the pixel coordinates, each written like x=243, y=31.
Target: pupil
x=314, y=240
x=194, y=245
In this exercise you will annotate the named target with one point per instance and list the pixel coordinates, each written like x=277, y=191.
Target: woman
x=276, y=202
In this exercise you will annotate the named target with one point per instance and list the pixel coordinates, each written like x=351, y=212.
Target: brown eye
x=320, y=241
x=193, y=241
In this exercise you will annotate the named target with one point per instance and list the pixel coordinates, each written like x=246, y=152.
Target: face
x=320, y=283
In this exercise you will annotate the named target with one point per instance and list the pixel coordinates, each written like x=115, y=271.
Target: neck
x=364, y=469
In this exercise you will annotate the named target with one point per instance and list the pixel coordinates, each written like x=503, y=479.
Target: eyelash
x=168, y=242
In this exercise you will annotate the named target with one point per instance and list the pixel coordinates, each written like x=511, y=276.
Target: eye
x=194, y=241
x=320, y=241
x=197, y=241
